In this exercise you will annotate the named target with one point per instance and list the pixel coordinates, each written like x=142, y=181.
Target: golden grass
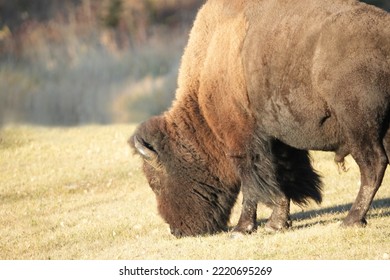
x=78, y=193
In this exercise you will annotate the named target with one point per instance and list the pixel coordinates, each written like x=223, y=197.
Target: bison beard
x=260, y=84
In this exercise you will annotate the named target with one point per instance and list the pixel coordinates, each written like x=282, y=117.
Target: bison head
x=190, y=197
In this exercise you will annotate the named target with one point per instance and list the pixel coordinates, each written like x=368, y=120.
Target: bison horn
x=146, y=152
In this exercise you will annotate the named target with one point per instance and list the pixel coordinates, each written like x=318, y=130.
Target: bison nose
x=176, y=232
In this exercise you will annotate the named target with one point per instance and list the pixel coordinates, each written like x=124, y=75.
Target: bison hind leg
x=295, y=174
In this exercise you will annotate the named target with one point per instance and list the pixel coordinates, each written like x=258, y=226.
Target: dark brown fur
x=262, y=82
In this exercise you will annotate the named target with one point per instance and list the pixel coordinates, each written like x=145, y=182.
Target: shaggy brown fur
x=262, y=82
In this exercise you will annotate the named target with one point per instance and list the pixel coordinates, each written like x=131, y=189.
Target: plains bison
x=262, y=82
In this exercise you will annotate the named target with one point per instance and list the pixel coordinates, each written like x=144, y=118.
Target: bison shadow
x=383, y=203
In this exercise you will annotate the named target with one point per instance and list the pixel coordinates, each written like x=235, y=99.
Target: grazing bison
x=262, y=82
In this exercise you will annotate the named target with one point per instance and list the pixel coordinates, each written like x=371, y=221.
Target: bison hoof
x=244, y=229
x=353, y=223
x=273, y=226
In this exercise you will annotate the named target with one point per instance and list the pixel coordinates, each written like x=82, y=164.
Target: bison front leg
x=258, y=184
x=247, y=222
x=280, y=217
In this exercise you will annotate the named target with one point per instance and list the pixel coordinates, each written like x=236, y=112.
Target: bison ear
x=144, y=149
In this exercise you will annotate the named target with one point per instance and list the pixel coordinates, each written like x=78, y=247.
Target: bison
x=261, y=83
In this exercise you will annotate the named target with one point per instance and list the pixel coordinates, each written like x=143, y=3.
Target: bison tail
x=295, y=174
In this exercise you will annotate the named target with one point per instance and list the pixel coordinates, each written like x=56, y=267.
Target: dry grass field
x=78, y=193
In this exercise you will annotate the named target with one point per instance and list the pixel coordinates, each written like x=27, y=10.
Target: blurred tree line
x=67, y=62
x=123, y=22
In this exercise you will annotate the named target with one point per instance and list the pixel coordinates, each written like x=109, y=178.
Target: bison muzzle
x=260, y=84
